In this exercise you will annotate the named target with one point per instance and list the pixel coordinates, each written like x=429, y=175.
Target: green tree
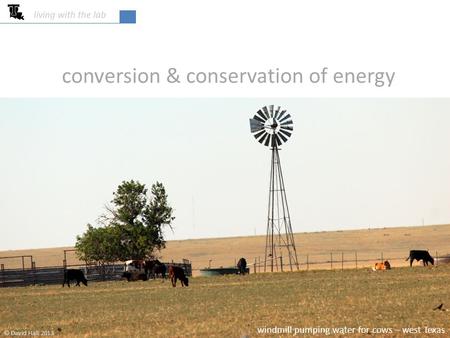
x=132, y=227
x=98, y=245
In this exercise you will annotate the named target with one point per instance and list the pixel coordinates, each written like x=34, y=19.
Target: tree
x=132, y=228
x=97, y=245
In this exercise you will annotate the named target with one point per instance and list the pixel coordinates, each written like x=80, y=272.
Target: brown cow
x=175, y=273
x=382, y=266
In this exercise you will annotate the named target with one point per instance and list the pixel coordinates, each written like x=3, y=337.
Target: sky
x=350, y=163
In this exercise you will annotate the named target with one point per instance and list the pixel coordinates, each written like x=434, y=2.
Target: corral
x=55, y=274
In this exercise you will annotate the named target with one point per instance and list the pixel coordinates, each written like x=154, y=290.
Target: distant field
x=369, y=244
x=236, y=306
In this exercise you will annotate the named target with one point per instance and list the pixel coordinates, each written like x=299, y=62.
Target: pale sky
x=351, y=163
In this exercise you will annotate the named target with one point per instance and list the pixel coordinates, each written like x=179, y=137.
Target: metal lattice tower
x=272, y=128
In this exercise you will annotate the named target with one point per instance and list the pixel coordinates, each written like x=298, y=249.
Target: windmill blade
x=286, y=123
x=288, y=134
x=267, y=140
x=277, y=112
x=282, y=137
x=257, y=118
x=266, y=112
x=255, y=125
x=285, y=118
x=287, y=127
x=260, y=113
x=258, y=134
x=281, y=114
x=261, y=140
x=271, y=110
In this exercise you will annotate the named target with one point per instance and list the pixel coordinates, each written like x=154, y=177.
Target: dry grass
x=234, y=306
x=393, y=242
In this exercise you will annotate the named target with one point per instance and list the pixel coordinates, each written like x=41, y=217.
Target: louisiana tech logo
x=14, y=12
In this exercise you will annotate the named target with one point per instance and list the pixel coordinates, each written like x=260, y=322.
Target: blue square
x=127, y=16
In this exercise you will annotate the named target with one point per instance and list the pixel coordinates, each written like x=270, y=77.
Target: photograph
x=225, y=217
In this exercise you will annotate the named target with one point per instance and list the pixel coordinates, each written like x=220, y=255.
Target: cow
x=159, y=270
x=382, y=266
x=74, y=274
x=242, y=266
x=422, y=255
x=154, y=268
x=175, y=273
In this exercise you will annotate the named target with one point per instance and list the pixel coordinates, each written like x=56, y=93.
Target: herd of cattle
x=136, y=270
x=144, y=270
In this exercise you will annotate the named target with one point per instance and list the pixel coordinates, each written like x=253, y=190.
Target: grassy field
x=236, y=306
x=369, y=244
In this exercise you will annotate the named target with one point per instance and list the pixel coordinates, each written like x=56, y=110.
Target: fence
x=55, y=274
x=332, y=261
x=335, y=261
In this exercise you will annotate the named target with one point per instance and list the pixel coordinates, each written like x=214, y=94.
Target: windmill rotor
x=271, y=127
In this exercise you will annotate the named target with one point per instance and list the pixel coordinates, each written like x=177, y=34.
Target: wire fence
x=336, y=261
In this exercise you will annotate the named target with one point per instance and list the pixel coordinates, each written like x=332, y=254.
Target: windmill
x=272, y=127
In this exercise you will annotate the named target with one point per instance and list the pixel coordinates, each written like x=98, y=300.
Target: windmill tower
x=272, y=128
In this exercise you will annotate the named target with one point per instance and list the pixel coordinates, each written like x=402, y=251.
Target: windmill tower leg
x=270, y=253
x=279, y=237
x=289, y=236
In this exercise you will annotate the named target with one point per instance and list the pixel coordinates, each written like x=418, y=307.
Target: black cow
x=418, y=255
x=74, y=274
x=159, y=270
x=175, y=273
x=242, y=266
x=154, y=268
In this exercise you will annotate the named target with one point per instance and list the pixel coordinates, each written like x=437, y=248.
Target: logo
x=14, y=12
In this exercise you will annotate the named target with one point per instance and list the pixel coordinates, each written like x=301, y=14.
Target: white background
x=408, y=37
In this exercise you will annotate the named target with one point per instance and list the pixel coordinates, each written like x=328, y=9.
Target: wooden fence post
x=307, y=262
x=331, y=261
x=281, y=263
x=254, y=266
